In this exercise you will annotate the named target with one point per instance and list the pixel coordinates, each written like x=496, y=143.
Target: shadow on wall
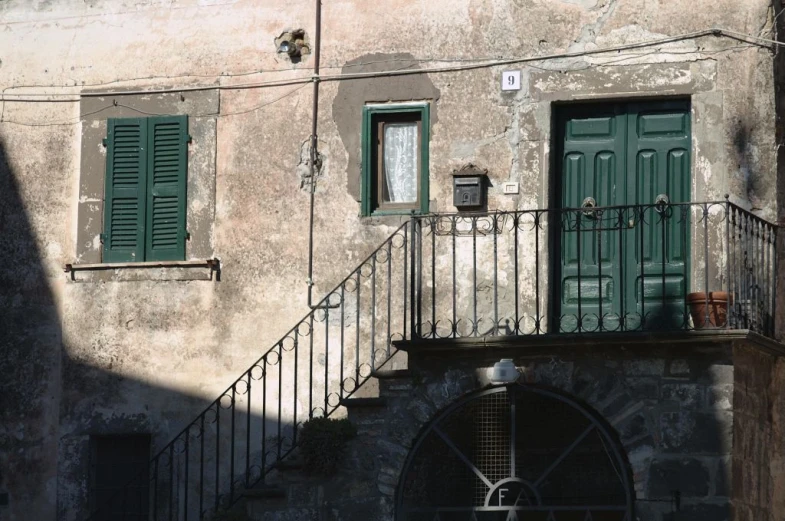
x=30, y=346
x=107, y=439
x=65, y=426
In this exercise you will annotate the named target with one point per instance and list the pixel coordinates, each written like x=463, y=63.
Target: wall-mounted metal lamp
x=504, y=372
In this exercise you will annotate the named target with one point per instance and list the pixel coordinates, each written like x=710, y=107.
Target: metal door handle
x=661, y=202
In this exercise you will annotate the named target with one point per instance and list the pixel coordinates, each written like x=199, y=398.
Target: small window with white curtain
x=395, y=159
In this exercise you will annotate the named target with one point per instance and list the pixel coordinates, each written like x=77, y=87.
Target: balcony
x=649, y=268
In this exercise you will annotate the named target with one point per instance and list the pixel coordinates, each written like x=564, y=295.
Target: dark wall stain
x=354, y=94
x=779, y=105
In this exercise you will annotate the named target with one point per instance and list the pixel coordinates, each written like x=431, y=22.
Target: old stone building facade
x=182, y=181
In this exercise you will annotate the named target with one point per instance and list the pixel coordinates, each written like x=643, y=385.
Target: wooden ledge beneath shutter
x=182, y=267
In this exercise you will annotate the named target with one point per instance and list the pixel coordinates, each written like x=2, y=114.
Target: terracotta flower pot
x=717, y=309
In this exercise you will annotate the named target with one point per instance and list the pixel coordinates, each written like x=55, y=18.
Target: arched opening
x=516, y=453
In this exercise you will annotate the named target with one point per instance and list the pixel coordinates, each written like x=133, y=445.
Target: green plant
x=323, y=442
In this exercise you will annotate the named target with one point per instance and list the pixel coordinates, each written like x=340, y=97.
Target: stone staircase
x=364, y=485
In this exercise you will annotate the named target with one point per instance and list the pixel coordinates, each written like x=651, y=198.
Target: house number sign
x=511, y=80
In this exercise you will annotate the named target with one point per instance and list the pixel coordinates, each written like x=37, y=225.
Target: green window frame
x=145, y=189
x=374, y=118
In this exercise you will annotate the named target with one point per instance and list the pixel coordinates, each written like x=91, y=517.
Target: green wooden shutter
x=124, y=205
x=166, y=190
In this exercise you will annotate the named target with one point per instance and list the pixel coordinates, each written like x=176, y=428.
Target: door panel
x=658, y=145
x=594, y=163
x=624, y=267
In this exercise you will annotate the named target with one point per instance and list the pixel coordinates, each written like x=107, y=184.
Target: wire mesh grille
x=491, y=441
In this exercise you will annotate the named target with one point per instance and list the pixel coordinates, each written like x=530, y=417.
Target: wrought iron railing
x=594, y=270
x=574, y=270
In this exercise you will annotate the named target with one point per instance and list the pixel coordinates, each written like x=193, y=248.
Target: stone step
x=297, y=501
x=394, y=382
x=369, y=389
x=391, y=374
x=363, y=403
x=292, y=463
x=366, y=414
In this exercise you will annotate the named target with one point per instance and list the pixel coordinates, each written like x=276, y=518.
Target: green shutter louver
x=166, y=192
x=125, y=190
x=146, y=177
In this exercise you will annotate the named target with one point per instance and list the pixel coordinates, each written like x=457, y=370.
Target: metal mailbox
x=469, y=191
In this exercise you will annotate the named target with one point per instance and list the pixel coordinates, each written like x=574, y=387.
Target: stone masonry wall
x=671, y=410
x=759, y=438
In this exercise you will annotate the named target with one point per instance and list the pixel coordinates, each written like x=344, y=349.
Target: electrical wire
x=406, y=70
x=146, y=113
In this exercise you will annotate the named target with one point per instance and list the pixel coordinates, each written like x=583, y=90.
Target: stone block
x=555, y=374
x=722, y=477
x=303, y=495
x=421, y=409
x=643, y=367
x=387, y=490
x=633, y=429
x=720, y=398
x=454, y=384
x=701, y=512
x=390, y=453
x=616, y=404
x=258, y=512
x=644, y=387
x=700, y=433
x=678, y=368
x=684, y=394
x=375, y=508
x=640, y=459
x=388, y=476
x=721, y=374
x=689, y=476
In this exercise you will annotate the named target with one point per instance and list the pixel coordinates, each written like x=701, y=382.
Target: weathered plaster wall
x=145, y=354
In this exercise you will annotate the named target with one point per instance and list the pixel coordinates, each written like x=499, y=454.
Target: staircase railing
x=462, y=275
x=240, y=437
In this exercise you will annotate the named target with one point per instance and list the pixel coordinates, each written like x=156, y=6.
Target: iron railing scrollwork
x=528, y=272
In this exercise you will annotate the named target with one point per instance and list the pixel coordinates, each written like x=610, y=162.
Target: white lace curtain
x=400, y=162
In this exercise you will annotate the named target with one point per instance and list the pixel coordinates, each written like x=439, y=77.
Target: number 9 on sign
x=511, y=80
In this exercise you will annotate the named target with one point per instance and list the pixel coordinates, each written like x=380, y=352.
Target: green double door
x=625, y=266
